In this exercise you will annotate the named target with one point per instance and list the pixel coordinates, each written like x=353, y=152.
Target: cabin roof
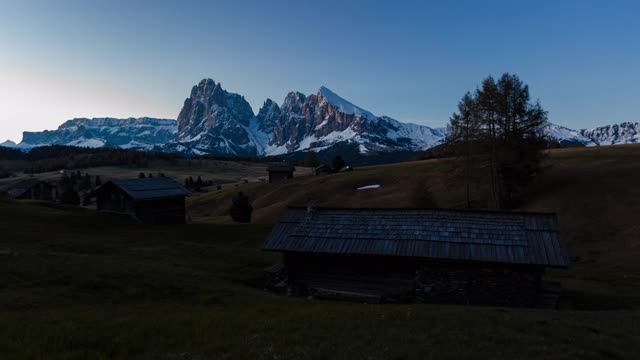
x=149, y=188
x=280, y=168
x=500, y=237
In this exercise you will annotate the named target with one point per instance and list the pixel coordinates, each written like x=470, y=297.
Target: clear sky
x=412, y=60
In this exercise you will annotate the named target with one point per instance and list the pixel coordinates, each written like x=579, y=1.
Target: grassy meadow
x=76, y=284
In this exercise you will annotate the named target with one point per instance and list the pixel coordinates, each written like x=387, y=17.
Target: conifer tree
x=337, y=163
x=500, y=129
x=241, y=209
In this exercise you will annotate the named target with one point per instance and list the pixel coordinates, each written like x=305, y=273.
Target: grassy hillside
x=100, y=286
x=594, y=191
x=76, y=284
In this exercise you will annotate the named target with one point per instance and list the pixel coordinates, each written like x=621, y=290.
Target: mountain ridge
x=216, y=121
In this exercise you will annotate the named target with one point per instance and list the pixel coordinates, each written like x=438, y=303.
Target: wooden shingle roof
x=503, y=237
x=149, y=188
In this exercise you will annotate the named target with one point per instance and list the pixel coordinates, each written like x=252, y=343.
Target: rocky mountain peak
x=268, y=115
x=293, y=102
x=214, y=120
x=8, y=143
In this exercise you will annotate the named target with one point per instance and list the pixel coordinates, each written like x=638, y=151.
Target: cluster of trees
x=74, y=184
x=142, y=175
x=7, y=153
x=498, y=133
x=58, y=157
x=4, y=173
x=198, y=184
x=310, y=160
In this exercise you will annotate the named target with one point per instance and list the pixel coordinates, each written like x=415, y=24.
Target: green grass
x=80, y=285
x=75, y=284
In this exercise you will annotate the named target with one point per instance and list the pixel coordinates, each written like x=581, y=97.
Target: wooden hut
x=280, y=172
x=150, y=200
x=322, y=170
x=31, y=189
x=416, y=255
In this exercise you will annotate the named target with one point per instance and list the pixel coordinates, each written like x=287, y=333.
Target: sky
x=411, y=60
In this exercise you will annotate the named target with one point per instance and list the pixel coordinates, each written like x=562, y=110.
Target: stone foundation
x=478, y=285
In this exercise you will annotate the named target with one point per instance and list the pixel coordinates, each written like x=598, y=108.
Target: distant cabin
x=416, y=255
x=31, y=189
x=150, y=200
x=323, y=170
x=280, y=172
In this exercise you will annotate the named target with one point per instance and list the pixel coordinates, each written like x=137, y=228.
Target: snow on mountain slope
x=325, y=119
x=343, y=105
x=141, y=133
x=566, y=136
x=616, y=134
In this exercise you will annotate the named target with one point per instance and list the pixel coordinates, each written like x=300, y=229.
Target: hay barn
x=150, y=200
x=31, y=189
x=280, y=172
x=415, y=255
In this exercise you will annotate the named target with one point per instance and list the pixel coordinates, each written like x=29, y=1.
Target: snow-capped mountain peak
x=343, y=105
x=326, y=120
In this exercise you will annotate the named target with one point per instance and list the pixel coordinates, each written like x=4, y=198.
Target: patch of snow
x=90, y=143
x=375, y=186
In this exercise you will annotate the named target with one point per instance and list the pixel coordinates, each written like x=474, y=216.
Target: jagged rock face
x=268, y=116
x=131, y=133
x=213, y=120
x=624, y=133
x=325, y=119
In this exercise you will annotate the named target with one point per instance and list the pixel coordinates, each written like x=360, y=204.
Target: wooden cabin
x=323, y=170
x=150, y=200
x=31, y=189
x=416, y=255
x=280, y=172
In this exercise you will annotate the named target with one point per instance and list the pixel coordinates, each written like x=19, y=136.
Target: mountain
x=567, y=137
x=9, y=144
x=141, y=133
x=325, y=120
x=215, y=121
x=624, y=133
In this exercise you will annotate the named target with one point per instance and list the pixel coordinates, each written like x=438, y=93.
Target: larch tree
x=499, y=128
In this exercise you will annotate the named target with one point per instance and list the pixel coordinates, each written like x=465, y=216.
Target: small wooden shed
x=280, y=172
x=416, y=255
x=150, y=200
x=323, y=170
x=31, y=189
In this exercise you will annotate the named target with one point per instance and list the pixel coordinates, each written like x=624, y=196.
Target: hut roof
x=502, y=237
x=149, y=188
x=280, y=168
